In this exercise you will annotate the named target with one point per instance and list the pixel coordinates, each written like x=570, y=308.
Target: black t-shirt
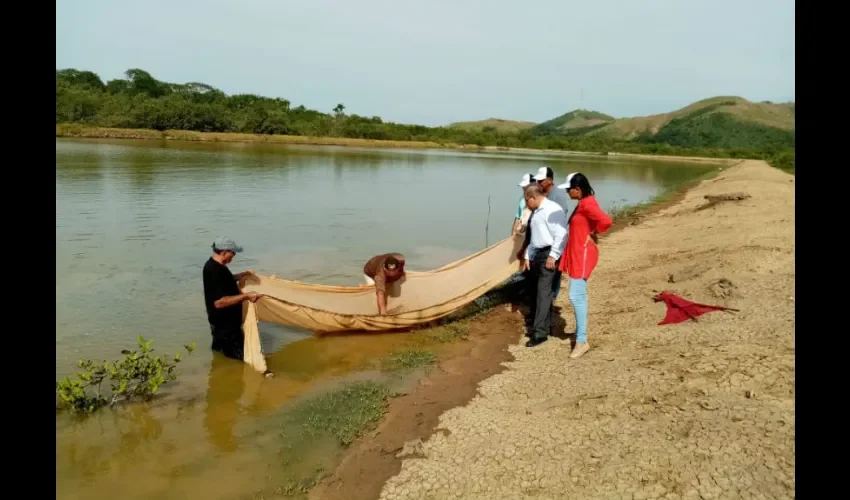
x=218, y=283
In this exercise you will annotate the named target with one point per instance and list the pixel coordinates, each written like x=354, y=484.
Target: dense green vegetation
x=494, y=124
x=142, y=102
x=705, y=129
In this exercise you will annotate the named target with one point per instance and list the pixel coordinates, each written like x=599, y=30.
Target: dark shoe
x=536, y=341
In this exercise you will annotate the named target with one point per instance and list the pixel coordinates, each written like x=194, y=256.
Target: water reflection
x=151, y=159
x=225, y=386
x=111, y=441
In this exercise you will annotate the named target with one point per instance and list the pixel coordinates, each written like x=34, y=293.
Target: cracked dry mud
x=694, y=410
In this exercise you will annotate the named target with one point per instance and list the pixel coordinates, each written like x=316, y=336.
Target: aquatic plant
x=139, y=375
x=408, y=359
x=340, y=415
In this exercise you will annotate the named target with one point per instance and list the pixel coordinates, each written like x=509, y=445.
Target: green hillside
x=780, y=116
x=495, y=124
x=724, y=125
x=577, y=122
x=717, y=122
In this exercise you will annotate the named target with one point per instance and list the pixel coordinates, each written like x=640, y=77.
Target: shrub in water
x=138, y=376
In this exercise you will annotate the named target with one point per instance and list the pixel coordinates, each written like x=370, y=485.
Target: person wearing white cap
x=581, y=254
x=522, y=212
x=541, y=253
x=546, y=178
x=566, y=185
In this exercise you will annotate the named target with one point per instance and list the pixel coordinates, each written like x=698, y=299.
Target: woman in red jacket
x=581, y=254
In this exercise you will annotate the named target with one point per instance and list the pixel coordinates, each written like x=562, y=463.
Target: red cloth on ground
x=679, y=309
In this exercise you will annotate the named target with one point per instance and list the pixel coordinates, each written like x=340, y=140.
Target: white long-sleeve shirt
x=548, y=228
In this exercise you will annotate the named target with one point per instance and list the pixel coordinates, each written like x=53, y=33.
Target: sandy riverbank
x=695, y=410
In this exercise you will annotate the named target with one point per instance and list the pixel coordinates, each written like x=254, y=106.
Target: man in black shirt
x=224, y=299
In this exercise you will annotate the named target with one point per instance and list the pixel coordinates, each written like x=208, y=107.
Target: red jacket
x=581, y=253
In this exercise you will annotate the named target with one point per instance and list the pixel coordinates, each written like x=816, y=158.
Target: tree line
x=141, y=101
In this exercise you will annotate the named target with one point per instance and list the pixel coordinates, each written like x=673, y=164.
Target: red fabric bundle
x=679, y=309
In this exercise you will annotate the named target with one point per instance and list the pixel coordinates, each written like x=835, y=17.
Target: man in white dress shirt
x=546, y=178
x=546, y=237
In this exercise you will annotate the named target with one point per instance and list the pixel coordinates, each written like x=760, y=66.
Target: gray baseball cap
x=225, y=243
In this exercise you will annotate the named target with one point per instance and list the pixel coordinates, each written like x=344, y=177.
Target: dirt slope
x=695, y=410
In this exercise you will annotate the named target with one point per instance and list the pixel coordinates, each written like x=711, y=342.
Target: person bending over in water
x=382, y=270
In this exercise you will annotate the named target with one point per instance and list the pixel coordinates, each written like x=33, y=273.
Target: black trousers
x=541, y=294
x=228, y=340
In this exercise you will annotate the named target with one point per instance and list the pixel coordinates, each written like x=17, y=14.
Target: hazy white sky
x=438, y=61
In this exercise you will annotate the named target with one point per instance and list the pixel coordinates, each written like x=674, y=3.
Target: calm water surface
x=134, y=225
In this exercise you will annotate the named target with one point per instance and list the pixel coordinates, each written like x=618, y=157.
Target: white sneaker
x=579, y=349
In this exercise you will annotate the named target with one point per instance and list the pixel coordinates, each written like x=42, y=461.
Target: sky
x=439, y=61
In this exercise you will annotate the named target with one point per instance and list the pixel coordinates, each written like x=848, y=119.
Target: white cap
x=566, y=183
x=526, y=180
x=541, y=174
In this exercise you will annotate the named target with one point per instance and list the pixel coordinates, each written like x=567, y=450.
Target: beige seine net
x=418, y=298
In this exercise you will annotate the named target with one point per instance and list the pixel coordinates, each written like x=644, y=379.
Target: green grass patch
x=298, y=488
x=449, y=333
x=628, y=212
x=341, y=415
x=315, y=431
x=408, y=359
x=783, y=160
x=619, y=214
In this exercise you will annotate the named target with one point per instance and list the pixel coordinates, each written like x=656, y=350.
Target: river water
x=134, y=225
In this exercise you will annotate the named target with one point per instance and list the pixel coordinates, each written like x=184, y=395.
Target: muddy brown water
x=134, y=221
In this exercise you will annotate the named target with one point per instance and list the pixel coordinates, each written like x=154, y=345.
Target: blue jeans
x=578, y=298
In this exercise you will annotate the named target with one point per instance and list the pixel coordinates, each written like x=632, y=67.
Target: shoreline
x=448, y=427
x=75, y=131
x=414, y=417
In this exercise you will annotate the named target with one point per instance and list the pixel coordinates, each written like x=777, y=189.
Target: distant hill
x=779, y=116
x=577, y=122
x=494, y=123
x=724, y=121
